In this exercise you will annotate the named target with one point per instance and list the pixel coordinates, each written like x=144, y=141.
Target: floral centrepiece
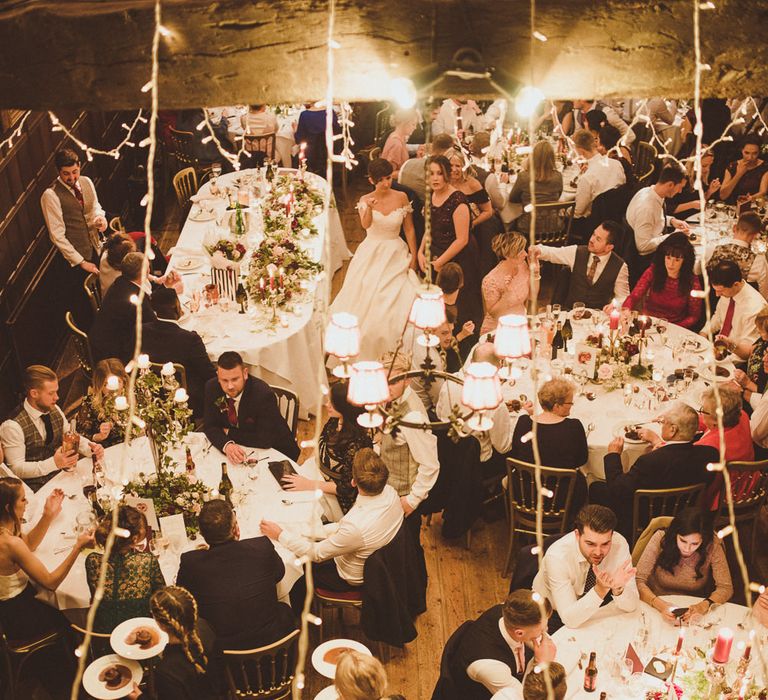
x=290, y=207
x=225, y=249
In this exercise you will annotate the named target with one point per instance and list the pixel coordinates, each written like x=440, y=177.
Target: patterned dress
x=497, y=284
x=337, y=452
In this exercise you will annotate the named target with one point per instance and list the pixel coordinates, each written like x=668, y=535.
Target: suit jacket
x=259, y=423
x=166, y=341
x=235, y=585
x=668, y=467
x=113, y=333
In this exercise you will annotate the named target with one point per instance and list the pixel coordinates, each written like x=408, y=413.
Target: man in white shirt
x=498, y=649
x=598, y=275
x=737, y=307
x=602, y=173
x=33, y=436
x=587, y=569
x=456, y=116
x=371, y=523
x=581, y=107
x=646, y=214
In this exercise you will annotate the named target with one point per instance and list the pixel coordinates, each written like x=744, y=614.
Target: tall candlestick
x=680, y=638
x=723, y=646
x=748, y=648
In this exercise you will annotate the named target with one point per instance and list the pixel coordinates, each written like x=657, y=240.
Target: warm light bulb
x=527, y=100
x=403, y=92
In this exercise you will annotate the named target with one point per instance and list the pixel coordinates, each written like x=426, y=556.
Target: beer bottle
x=189, y=462
x=225, y=485
x=590, y=675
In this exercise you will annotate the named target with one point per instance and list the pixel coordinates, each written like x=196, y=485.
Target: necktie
x=48, y=428
x=728, y=322
x=590, y=581
x=592, y=269
x=79, y=194
x=520, y=657
x=231, y=412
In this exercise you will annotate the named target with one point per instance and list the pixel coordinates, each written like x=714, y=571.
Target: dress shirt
x=757, y=273
x=758, y=421
x=237, y=409
x=567, y=256
x=12, y=438
x=749, y=302
x=54, y=220
x=498, y=437
x=496, y=675
x=445, y=122
x=645, y=214
x=506, y=210
x=659, y=112
x=602, y=174
x=422, y=444
x=496, y=114
x=563, y=574
x=369, y=525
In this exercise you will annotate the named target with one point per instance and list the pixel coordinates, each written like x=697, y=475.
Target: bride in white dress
x=381, y=282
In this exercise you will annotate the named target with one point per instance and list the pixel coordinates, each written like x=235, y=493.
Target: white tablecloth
x=608, y=633
x=289, y=354
x=254, y=500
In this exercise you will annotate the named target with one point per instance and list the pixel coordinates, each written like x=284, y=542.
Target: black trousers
x=324, y=575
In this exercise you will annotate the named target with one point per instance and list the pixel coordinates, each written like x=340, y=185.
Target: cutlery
x=590, y=428
x=286, y=502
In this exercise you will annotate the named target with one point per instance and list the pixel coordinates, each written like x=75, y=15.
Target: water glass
x=84, y=521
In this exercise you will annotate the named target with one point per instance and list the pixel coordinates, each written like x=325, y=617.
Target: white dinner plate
x=134, y=651
x=691, y=344
x=329, y=693
x=98, y=689
x=327, y=669
x=619, y=429
x=202, y=216
x=188, y=264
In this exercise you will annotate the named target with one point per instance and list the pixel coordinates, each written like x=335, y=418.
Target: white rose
x=180, y=501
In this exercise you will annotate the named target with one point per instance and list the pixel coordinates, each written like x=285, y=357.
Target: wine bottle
x=225, y=485
x=241, y=297
x=567, y=331
x=189, y=462
x=603, y=695
x=590, y=675
x=270, y=174
x=558, y=342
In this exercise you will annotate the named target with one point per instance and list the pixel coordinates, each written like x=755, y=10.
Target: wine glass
x=215, y=170
x=688, y=373
x=84, y=521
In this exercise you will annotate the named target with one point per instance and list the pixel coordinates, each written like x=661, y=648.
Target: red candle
x=723, y=646
x=748, y=648
x=680, y=638
x=614, y=319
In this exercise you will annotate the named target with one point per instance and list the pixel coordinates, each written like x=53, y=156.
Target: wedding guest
x=458, y=116
x=259, y=121
x=738, y=440
x=687, y=202
x=369, y=525
x=395, y=148
x=737, y=308
x=684, y=559
x=500, y=647
x=95, y=419
x=548, y=185
x=608, y=144
x=116, y=247
x=113, y=333
x=206, y=153
x=598, y=274
x=361, y=677
x=241, y=411
x=601, y=173
x=234, y=574
x=164, y=340
x=450, y=237
x=32, y=437
x=746, y=179
x=535, y=685
x=341, y=439
x=760, y=609
x=132, y=576
x=507, y=288
x=310, y=129
x=664, y=289
x=22, y=615
x=587, y=569
x=576, y=119
x=412, y=172
x=754, y=377
x=450, y=279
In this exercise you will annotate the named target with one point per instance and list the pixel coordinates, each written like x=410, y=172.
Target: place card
x=173, y=528
x=146, y=506
x=586, y=355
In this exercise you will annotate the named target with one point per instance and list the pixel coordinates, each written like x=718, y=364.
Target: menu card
x=146, y=506
x=173, y=529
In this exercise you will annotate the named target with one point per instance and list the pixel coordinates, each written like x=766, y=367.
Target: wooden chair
x=99, y=644
x=261, y=146
x=265, y=673
x=553, y=222
x=288, y=403
x=335, y=600
x=521, y=500
x=651, y=503
x=182, y=149
x=93, y=291
x=749, y=488
x=659, y=523
x=644, y=160
x=16, y=653
x=82, y=346
x=184, y=185
x=180, y=372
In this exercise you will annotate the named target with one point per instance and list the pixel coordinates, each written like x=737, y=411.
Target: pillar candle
x=614, y=319
x=723, y=646
x=680, y=638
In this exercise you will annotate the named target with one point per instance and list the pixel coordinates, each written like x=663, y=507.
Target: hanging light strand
x=90, y=151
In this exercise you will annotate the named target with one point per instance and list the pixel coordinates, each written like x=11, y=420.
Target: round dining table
x=256, y=496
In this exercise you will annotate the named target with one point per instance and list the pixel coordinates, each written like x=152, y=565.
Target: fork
x=590, y=428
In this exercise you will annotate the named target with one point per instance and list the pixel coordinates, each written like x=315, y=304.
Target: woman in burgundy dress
x=450, y=216
x=664, y=290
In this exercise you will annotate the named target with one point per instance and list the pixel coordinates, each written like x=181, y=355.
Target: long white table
x=254, y=500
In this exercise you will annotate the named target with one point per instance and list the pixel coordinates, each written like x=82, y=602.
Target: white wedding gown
x=379, y=287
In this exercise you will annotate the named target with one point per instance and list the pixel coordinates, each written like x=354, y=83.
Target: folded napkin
x=203, y=197
x=188, y=252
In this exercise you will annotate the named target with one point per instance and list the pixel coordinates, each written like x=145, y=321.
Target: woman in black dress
x=450, y=239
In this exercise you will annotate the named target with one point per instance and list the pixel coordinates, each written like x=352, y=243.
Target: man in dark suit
x=674, y=461
x=113, y=333
x=165, y=341
x=235, y=582
x=242, y=410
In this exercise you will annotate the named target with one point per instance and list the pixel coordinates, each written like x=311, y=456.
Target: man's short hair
x=685, y=419
x=521, y=610
x=217, y=521
x=583, y=139
x=613, y=230
x=400, y=362
x=535, y=685
x=597, y=518
x=65, y=158
x=369, y=472
x=164, y=302
x=749, y=222
x=671, y=173
x=36, y=375
x=441, y=143
x=131, y=265
x=230, y=359
x=725, y=273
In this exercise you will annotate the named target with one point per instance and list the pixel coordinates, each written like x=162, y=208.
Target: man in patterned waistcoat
x=32, y=437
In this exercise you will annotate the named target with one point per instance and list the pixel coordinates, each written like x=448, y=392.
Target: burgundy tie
x=728, y=322
x=593, y=269
x=79, y=194
x=231, y=412
x=520, y=657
